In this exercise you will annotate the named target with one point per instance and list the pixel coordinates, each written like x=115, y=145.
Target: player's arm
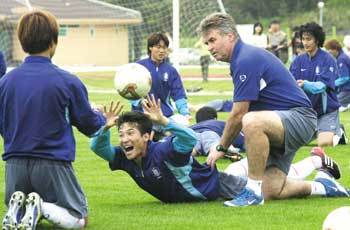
x=178, y=94
x=2, y=65
x=344, y=75
x=185, y=138
x=100, y=143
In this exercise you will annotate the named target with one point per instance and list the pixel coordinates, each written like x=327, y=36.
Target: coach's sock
x=304, y=168
x=317, y=189
x=61, y=217
x=255, y=185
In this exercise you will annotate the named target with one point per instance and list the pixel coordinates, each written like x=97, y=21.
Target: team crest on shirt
x=165, y=76
x=243, y=77
x=317, y=70
x=156, y=173
x=331, y=69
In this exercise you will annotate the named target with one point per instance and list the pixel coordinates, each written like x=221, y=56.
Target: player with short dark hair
x=316, y=72
x=2, y=64
x=166, y=81
x=343, y=80
x=39, y=104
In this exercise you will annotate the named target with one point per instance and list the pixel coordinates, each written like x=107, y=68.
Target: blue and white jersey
x=2, y=65
x=343, y=62
x=320, y=68
x=39, y=104
x=261, y=78
x=166, y=85
x=168, y=171
x=217, y=127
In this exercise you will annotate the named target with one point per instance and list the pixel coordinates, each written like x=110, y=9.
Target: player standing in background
x=39, y=104
x=2, y=65
x=343, y=80
x=166, y=81
x=316, y=72
x=274, y=114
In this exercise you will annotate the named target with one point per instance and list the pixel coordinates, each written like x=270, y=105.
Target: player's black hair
x=206, y=113
x=143, y=123
x=275, y=22
x=256, y=25
x=314, y=30
x=154, y=39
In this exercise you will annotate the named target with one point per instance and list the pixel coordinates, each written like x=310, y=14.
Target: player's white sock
x=255, y=185
x=61, y=217
x=238, y=168
x=304, y=168
x=317, y=189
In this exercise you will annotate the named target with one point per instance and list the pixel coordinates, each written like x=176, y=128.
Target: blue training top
x=2, y=65
x=166, y=85
x=320, y=68
x=39, y=103
x=168, y=171
x=261, y=78
x=217, y=127
x=343, y=62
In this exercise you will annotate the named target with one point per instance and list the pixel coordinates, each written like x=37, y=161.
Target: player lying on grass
x=166, y=169
x=209, y=131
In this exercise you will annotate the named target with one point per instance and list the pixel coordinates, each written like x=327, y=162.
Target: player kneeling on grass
x=39, y=104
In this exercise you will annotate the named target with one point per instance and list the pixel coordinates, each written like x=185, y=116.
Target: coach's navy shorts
x=54, y=181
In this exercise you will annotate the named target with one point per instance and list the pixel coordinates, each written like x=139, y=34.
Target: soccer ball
x=338, y=219
x=132, y=81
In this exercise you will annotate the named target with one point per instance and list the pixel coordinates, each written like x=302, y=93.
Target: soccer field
x=116, y=202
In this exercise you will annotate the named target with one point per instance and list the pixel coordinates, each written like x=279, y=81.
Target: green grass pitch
x=115, y=201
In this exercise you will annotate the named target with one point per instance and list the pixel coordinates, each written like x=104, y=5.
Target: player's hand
x=300, y=83
x=153, y=111
x=189, y=117
x=112, y=114
x=213, y=156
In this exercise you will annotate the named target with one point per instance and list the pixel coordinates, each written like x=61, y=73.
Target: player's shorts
x=329, y=122
x=344, y=98
x=205, y=141
x=299, y=127
x=54, y=181
x=230, y=185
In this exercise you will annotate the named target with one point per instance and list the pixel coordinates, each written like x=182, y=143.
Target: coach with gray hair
x=274, y=113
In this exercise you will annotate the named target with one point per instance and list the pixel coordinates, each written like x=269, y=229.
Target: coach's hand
x=112, y=114
x=213, y=156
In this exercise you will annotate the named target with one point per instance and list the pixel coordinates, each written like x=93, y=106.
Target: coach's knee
x=251, y=124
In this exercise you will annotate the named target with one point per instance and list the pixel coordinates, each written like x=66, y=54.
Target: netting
x=107, y=33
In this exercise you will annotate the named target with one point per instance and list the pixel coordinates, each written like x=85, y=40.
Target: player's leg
x=17, y=185
x=215, y=104
x=328, y=129
x=64, y=203
x=238, y=168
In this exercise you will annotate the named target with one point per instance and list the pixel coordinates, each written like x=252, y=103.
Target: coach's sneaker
x=328, y=164
x=343, y=138
x=245, y=198
x=33, y=212
x=332, y=187
x=15, y=211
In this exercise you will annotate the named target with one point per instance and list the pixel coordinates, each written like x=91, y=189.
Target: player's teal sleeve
x=341, y=81
x=182, y=106
x=135, y=102
x=100, y=144
x=185, y=138
x=314, y=87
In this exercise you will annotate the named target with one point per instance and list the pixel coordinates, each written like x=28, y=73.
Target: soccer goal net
x=109, y=32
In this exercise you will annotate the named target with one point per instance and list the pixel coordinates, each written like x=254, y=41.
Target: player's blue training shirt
x=168, y=171
x=166, y=85
x=2, y=65
x=320, y=68
x=261, y=78
x=343, y=62
x=217, y=127
x=39, y=103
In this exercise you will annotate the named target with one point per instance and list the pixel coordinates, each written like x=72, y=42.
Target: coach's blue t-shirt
x=321, y=67
x=261, y=78
x=343, y=62
x=2, y=65
x=39, y=103
x=170, y=176
x=166, y=84
x=217, y=127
